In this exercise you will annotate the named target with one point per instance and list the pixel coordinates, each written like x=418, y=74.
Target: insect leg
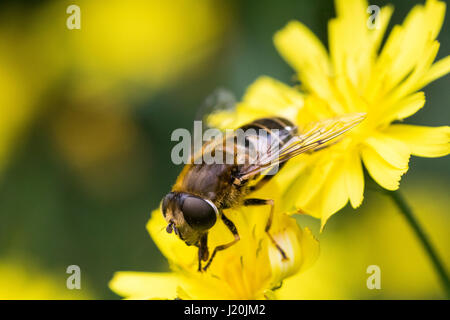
x=262, y=202
x=199, y=259
x=261, y=182
x=230, y=225
x=203, y=253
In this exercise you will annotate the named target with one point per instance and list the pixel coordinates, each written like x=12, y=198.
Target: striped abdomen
x=278, y=132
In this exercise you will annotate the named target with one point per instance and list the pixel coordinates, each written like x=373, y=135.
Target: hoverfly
x=202, y=191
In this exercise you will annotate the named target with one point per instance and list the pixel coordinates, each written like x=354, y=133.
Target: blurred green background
x=85, y=123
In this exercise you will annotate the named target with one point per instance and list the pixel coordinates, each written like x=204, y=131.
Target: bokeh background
x=85, y=123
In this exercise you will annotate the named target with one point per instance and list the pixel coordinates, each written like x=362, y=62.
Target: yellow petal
x=419, y=28
x=381, y=171
x=287, y=235
x=272, y=96
x=352, y=100
x=290, y=171
x=354, y=178
x=378, y=33
x=310, y=249
x=308, y=184
x=437, y=70
x=314, y=109
x=321, y=189
x=145, y=285
x=334, y=195
x=301, y=48
x=370, y=80
x=350, y=44
x=306, y=54
x=353, y=9
x=391, y=150
x=422, y=141
x=435, y=13
x=223, y=119
x=414, y=80
x=300, y=246
x=175, y=250
x=404, y=108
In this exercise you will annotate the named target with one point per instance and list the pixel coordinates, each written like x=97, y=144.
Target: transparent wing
x=219, y=99
x=314, y=137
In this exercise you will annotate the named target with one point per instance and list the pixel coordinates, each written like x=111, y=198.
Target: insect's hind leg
x=270, y=202
x=230, y=225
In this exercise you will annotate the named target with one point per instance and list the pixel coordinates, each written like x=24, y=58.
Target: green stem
x=406, y=210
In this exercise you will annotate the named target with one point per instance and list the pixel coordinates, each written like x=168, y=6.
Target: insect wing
x=314, y=137
x=220, y=99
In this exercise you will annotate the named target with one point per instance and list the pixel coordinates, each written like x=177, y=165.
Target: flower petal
x=310, y=249
x=352, y=44
x=414, y=80
x=308, y=183
x=306, y=54
x=391, y=150
x=272, y=95
x=175, y=250
x=437, y=70
x=300, y=246
x=380, y=170
x=145, y=285
x=354, y=178
x=334, y=195
x=421, y=26
x=435, y=13
x=370, y=80
x=423, y=141
x=404, y=108
x=301, y=48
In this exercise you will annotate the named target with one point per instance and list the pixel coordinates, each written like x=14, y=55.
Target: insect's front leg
x=203, y=252
x=270, y=202
x=230, y=225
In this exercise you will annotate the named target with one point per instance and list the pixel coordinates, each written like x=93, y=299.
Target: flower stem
x=407, y=212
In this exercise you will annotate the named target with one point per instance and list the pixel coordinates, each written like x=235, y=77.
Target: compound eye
x=198, y=213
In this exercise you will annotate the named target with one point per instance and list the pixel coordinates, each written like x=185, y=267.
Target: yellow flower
x=355, y=76
x=250, y=269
